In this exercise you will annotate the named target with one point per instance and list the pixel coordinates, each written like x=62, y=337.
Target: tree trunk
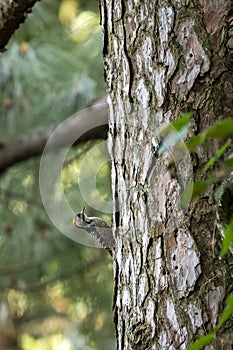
x=163, y=59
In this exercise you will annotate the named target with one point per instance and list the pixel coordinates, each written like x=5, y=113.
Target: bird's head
x=80, y=220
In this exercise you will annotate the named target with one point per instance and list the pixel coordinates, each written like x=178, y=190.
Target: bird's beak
x=74, y=221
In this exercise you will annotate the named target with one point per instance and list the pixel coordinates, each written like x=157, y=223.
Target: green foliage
x=221, y=129
x=177, y=125
x=199, y=187
x=79, y=168
x=196, y=188
x=201, y=342
x=40, y=255
x=47, y=267
x=227, y=239
x=217, y=155
x=45, y=61
x=50, y=70
x=227, y=312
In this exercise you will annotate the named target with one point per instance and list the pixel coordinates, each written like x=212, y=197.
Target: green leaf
x=217, y=155
x=187, y=195
x=227, y=312
x=181, y=122
x=224, y=128
x=228, y=238
x=201, y=342
x=196, y=141
x=199, y=187
x=229, y=161
x=176, y=125
x=193, y=190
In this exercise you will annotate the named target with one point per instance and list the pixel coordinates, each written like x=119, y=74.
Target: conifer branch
x=32, y=144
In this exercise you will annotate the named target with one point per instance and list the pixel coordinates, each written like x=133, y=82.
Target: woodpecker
x=98, y=229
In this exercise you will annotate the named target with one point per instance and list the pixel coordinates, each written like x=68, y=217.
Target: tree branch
x=12, y=14
x=77, y=268
x=33, y=144
x=12, y=270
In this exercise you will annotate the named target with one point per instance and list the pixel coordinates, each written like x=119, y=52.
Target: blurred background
x=55, y=294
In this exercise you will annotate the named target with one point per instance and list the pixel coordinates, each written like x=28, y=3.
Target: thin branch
x=12, y=14
x=19, y=268
x=63, y=275
x=33, y=144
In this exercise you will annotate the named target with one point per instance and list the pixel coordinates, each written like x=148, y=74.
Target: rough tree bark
x=165, y=57
x=12, y=14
